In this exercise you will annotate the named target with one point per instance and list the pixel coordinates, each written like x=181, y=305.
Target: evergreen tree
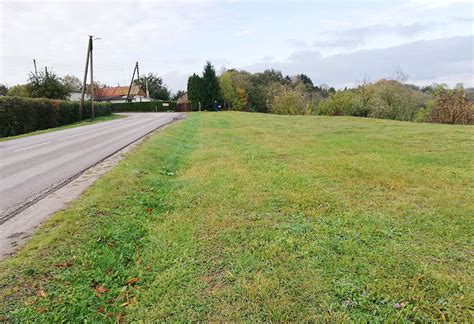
x=194, y=89
x=210, y=86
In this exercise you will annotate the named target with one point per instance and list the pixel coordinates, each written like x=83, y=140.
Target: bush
x=393, y=100
x=289, y=102
x=149, y=106
x=338, y=104
x=450, y=107
x=23, y=115
x=386, y=99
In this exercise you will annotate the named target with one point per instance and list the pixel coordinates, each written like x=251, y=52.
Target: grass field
x=82, y=123
x=238, y=216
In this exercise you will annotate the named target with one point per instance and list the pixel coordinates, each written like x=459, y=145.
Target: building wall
x=76, y=96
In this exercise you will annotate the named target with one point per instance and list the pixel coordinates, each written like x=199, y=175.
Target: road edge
x=11, y=240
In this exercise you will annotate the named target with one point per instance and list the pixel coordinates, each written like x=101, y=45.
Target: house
x=183, y=103
x=119, y=94
x=76, y=96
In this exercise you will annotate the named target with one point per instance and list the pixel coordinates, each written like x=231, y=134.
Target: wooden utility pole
x=92, y=82
x=138, y=78
x=36, y=71
x=84, y=84
x=46, y=71
x=131, y=82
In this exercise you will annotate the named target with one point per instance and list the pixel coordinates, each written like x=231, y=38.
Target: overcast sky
x=339, y=43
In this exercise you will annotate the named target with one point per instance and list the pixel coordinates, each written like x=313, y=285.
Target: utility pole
x=147, y=92
x=138, y=77
x=92, y=83
x=131, y=82
x=46, y=71
x=84, y=84
x=36, y=71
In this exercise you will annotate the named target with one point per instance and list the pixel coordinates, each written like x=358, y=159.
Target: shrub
x=18, y=90
x=338, y=104
x=23, y=115
x=393, y=100
x=149, y=106
x=47, y=85
x=289, y=102
x=450, y=107
x=386, y=99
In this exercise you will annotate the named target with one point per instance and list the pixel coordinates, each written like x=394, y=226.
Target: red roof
x=119, y=92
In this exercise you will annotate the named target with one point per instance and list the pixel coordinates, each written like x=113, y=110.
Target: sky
x=337, y=43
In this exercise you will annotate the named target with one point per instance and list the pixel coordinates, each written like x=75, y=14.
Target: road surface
x=34, y=165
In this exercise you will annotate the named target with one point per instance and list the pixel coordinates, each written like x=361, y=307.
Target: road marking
x=30, y=147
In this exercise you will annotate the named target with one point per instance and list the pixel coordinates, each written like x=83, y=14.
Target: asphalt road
x=33, y=165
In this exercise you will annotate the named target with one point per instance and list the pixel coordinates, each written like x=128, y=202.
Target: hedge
x=23, y=115
x=149, y=106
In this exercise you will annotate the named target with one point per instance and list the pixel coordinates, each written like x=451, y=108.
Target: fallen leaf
x=100, y=289
x=101, y=310
x=148, y=210
x=132, y=281
x=124, y=304
x=42, y=293
x=62, y=265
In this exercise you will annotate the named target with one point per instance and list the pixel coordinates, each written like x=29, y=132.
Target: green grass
x=82, y=123
x=236, y=216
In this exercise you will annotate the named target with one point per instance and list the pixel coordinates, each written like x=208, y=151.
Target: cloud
x=350, y=38
x=422, y=60
x=242, y=33
x=297, y=42
x=56, y=34
x=437, y=3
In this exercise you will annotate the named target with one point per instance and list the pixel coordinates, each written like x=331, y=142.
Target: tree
x=18, y=90
x=394, y=100
x=72, y=82
x=47, y=85
x=194, y=88
x=210, y=86
x=450, y=106
x=227, y=89
x=178, y=94
x=156, y=87
x=241, y=99
x=304, y=79
x=3, y=90
x=271, y=76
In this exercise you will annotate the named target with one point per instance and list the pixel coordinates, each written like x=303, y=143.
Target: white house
x=119, y=94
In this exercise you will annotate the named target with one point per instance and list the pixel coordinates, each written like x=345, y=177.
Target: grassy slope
x=83, y=123
x=235, y=216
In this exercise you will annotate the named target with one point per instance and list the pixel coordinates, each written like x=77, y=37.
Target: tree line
x=272, y=92
x=257, y=92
